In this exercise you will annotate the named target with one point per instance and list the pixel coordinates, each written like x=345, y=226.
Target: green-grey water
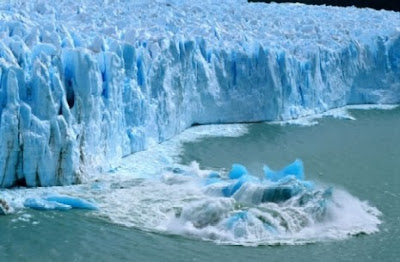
x=362, y=156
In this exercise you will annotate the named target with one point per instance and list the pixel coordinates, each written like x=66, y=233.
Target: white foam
x=151, y=161
x=371, y=107
x=181, y=207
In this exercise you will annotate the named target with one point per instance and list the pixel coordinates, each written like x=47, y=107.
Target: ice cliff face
x=83, y=83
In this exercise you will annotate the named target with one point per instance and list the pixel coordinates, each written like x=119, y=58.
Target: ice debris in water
x=279, y=185
x=42, y=204
x=85, y=83
x=245, y=206
x=4, y=207
x=58, y=202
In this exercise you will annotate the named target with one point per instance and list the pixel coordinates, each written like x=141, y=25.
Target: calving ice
x=240, y=208
x=273, y=207
x=234, y=207
x=83, y=84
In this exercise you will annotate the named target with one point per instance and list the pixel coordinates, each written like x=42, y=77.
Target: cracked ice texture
x=84, y=83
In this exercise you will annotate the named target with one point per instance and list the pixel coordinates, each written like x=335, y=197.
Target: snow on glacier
x=84, y=83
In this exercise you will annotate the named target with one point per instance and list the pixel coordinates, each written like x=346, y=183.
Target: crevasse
x=84, y=83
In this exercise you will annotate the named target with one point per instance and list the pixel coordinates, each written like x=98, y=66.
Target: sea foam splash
x=150, y=192
x=202, y=204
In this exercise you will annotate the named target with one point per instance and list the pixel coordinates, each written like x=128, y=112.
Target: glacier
x=85, y=83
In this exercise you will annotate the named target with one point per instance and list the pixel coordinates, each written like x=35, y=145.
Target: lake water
x=361, y=157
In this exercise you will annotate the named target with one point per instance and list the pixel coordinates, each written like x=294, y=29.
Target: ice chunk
x=212, y=178
x=295, y=169
x=236, y=218
x=278, y=193
x=74, y=202
x=230, y=190
x=237, y=171
x=244, y=224
x=42, y=204
x=206, y=212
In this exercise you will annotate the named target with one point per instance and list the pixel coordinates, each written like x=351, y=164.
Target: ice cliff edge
x=85, y=83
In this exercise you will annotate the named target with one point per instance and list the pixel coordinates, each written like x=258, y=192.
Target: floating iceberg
x=73, y=202
x=58, y=202
x=42, y=204
x=83, y=84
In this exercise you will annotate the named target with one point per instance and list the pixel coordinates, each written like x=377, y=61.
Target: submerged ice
x=85, y=83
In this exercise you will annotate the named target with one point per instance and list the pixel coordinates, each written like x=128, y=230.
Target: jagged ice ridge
x=84, y=83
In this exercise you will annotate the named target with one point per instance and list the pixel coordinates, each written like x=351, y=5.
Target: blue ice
x=276, y=186
x=58, y=202
x=236, y=218
x=74, y=202
x=237, y=171
x=235, y=185
x=295, y=169
x=212, y=178
x=42, y=204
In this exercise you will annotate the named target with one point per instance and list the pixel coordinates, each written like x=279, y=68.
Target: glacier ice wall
x=84, y=83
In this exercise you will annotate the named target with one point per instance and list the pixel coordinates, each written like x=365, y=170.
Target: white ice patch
x=157, y=157
x=339, y=113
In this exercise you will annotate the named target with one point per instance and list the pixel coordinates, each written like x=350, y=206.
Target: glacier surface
x=84, y=83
